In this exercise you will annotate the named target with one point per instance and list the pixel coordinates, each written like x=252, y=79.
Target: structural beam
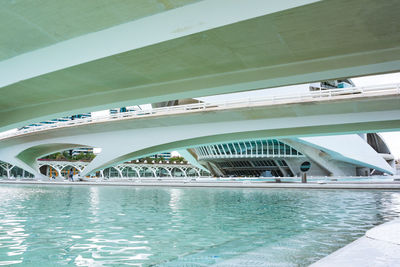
x=201, y=49
x=132, y=138
x=158, y=28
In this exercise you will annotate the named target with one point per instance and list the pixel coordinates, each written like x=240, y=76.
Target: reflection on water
x=103, y=226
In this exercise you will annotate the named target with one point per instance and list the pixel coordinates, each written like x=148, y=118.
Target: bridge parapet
x=312, y=96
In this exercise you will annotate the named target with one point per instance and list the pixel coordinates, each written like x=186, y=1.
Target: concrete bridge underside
x=118, y=53
x=126, y=139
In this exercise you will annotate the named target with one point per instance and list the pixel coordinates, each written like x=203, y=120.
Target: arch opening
x=178, y=172
x=111, y=172
x=163, y=172
x=49, y=171
x=192, y=172
x=147, y=172
x=69, y=170
x=129, y=172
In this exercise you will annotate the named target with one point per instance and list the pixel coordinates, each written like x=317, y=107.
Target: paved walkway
x=379, y=247
x=223, y=184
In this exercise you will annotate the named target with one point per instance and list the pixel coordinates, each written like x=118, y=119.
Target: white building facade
x=342, y=155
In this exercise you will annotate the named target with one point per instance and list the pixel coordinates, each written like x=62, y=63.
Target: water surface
x=151, y=226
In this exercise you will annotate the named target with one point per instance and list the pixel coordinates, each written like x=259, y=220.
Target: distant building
x=164, y=155
x=83, y=150
x=124, y=109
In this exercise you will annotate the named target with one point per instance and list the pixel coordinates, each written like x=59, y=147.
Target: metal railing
x=312, y=96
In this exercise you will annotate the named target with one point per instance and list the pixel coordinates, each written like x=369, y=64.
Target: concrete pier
x=219, y=184
x=379, y=247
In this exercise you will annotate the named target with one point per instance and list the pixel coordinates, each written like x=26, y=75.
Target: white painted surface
x=349, y=148
x=304, y=97
x=172, y=24
x=379, y=247
x=212, y=182
x=388, y=232
x=126, y=140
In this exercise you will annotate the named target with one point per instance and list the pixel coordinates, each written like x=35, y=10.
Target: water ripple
x=108, y=226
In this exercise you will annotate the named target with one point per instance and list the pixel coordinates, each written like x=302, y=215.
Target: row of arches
x=64, y=169
x=67, y=169
x=125, y=171
x=53, y=171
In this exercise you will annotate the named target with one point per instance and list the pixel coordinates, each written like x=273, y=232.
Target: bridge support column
x=7, y=167
x=8, y=170
x=304, y=177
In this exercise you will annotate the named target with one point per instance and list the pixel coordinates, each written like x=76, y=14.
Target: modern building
x=345, y=155
x=82, y=150
x=251, y=158
x=291, y=157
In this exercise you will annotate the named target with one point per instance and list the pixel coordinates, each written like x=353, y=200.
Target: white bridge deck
x=312, y=96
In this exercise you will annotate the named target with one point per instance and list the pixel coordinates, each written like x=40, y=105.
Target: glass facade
x=255, y=158
x=247, y=149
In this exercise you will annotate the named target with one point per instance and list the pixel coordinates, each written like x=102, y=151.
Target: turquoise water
x=112, y=226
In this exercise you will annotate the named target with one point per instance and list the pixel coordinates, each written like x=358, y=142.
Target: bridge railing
x=318, y=95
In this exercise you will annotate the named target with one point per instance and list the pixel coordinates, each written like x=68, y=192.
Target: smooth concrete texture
x=130, y=36
x=388, y=232
x=129, y=138
x=207, y=183
x=34, y=22
x=379, y=247
x=325, y=161
x=348, y=153
x=274, y=43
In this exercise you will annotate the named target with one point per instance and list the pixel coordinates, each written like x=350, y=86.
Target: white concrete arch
x=85, y=67
x=197, y=171
x=127, y=167
x=118, y=171
x=119, y=168
x=144, y=170
x=7, y=168
x=178, y=168
x=72, y=166
x=181, y=131
x=61, y=165
x=58, y=172
x=166, y=169
x=136, y=170
x=55, y=168
x=154, y=169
